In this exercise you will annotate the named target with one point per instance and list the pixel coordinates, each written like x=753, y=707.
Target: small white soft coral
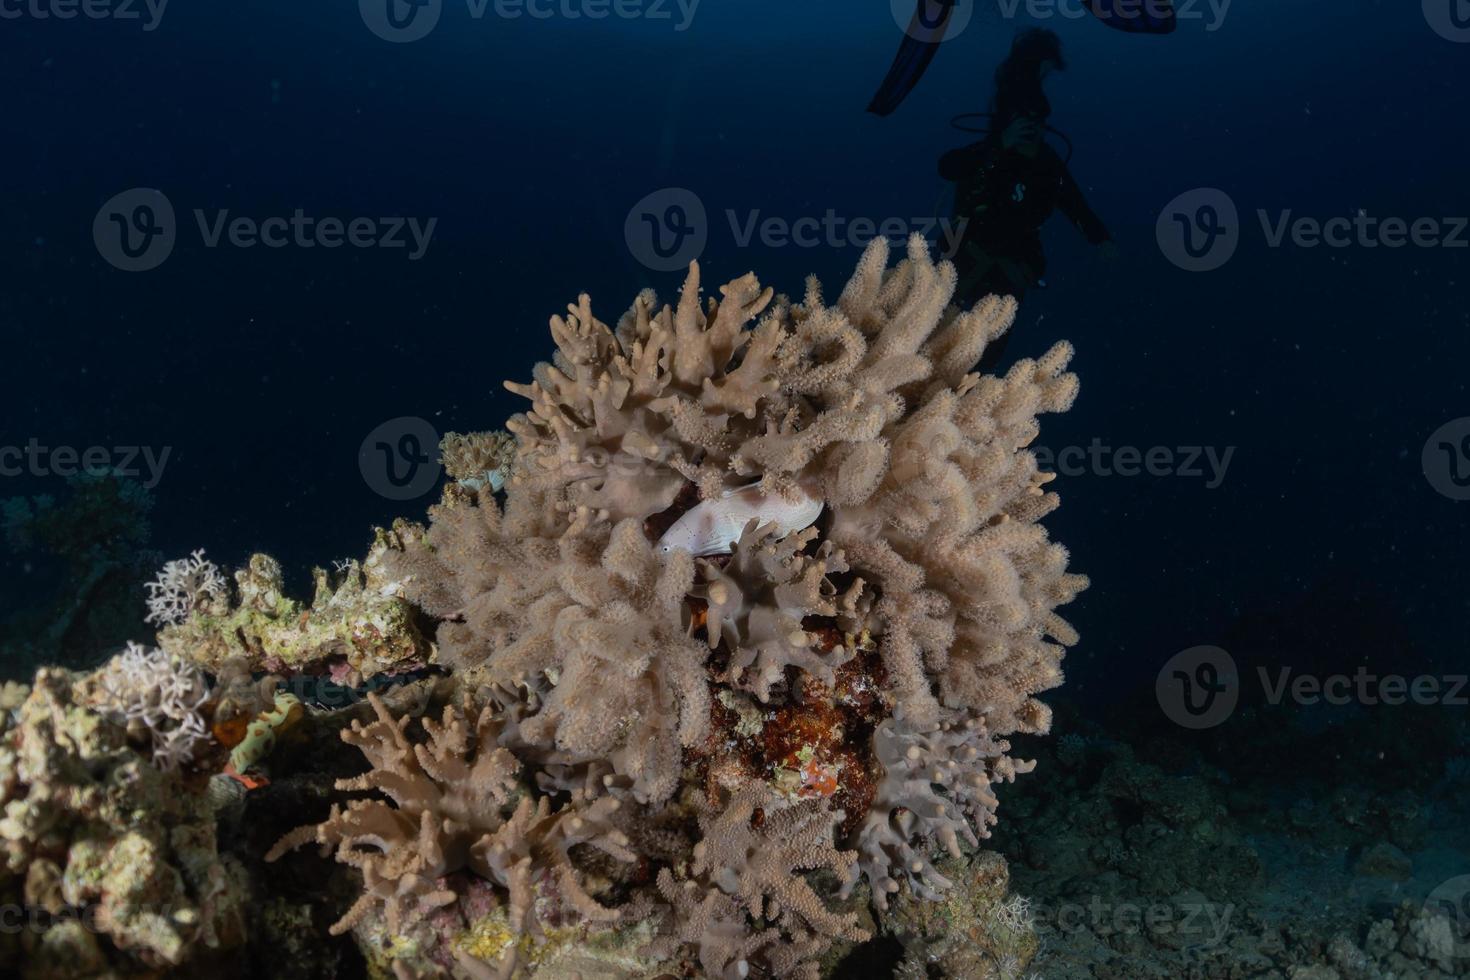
x=180, y=586
x=163, y=694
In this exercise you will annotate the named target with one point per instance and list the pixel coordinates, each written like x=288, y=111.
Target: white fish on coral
x=712, y=527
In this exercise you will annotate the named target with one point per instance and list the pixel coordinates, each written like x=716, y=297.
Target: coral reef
x=1146, y=855
x=113, y=860
x=748, y=861
x=712, y=668
x=455, y=804
x=976, y=929
x=737, y=624
x=935, y=790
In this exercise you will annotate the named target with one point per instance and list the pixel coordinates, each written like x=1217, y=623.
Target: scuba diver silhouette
x=931, y=21
x=1009, y=182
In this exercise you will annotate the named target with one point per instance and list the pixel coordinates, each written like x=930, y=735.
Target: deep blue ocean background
x=530, y=140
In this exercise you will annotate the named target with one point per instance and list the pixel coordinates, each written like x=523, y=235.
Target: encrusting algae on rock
x=353, y=627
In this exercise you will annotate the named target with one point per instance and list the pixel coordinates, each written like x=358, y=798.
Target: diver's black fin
x=920, y=43
x=1135, y=16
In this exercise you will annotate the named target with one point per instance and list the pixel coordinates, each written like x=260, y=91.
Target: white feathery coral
x=180, y=586
x=163, y=694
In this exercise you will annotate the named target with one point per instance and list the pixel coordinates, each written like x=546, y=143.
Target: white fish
x=712, y=527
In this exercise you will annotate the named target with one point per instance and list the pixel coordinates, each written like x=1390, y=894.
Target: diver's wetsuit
x=1005, y=197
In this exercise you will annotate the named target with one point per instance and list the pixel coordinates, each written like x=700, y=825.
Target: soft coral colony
x=735, y=655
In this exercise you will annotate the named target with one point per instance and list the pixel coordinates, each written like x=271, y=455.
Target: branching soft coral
x=455, y=802
x=591, y=589
x=750, y=859
x=936, y=790
x=759, y=600
x=599, y=633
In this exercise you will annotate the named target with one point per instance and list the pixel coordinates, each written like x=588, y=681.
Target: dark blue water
x=1323, y=371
